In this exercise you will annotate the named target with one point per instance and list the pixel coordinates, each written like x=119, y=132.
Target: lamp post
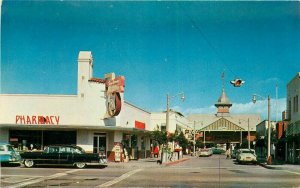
x=248, y=132
x=269, y=125
x=168, y=107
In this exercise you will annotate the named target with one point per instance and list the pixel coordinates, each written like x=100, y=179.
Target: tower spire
x=223, y=104
x=223, y=78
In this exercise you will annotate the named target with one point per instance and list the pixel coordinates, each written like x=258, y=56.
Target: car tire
x=28, y=163
x=80, y=165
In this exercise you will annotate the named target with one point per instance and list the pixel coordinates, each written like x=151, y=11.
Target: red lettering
x=41, y=120
x=22, y=118
x=57, y=119
x=51, y=121
x=28, y=120
x=47, y=120
x=34, y=120
x=17, y=119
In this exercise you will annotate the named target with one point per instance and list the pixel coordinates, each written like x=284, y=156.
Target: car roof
x=61, y=145
x=4, y=143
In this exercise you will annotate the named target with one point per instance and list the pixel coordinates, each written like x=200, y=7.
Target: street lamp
x=194, y=137
x=248, y=131
x=269, y=125
x=168, y=107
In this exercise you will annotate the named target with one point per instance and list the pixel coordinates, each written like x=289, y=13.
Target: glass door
x=99, y=145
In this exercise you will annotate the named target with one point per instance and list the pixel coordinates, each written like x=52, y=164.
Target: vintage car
x=8, y=154
x=246, y=156
x=205, y=152
x=218, y=150
x=62, y=155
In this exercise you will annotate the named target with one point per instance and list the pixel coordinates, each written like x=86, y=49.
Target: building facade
x=293, y=118
x=225, y=127
x=96, y=118
x=262, y=139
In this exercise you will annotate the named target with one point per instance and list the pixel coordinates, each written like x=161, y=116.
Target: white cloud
x=202, y=110
x=260, y=107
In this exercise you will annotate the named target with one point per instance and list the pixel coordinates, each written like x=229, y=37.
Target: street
x=214, y=171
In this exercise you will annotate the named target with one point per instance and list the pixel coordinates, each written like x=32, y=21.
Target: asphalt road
x=214, y=171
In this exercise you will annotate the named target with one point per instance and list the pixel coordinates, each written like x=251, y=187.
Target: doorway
x=99, y=145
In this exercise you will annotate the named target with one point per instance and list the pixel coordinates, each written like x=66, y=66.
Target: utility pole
x=194, y=139
x=269, y=127
x=167, y=113
x=248, y=135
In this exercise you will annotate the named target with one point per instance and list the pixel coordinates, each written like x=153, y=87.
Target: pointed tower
x=223, y=104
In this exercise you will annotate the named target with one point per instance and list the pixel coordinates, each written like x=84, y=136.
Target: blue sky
x=160, y=47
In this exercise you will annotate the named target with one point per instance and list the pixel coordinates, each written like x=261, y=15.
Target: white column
x=118, y=136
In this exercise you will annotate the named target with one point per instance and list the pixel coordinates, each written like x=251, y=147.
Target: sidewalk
x=145, y=163
x=280, y=165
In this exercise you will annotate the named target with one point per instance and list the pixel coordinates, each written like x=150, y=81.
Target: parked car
x=246, y=156
x=205, y=152
x=218, y=150
x=8, y=154
x=62, y=155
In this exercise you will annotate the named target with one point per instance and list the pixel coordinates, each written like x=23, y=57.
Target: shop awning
x=72, y=127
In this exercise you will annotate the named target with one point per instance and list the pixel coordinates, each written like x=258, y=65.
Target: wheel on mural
x=28, y=163
x=80, y=165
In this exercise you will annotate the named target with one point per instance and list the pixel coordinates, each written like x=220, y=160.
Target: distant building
x=281, y=127
x=177, y=121
x=262, y=130
x=225, y=127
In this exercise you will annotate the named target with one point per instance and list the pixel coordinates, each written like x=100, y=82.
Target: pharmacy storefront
x=96, y=119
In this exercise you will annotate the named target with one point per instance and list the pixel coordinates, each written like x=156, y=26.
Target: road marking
x=23, y=184
x=292, y=172
x=21, y=176
x=18, y=181
x=118, y=179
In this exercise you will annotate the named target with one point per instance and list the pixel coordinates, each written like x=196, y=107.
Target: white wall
x=293, y=89
x=159, y=118
x=85, y=140
x=88, y=107
x=262, y=128
x=131, y=113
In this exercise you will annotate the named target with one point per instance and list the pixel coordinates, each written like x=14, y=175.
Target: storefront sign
x=37, y=120
x=140, y=125
x=116, y=85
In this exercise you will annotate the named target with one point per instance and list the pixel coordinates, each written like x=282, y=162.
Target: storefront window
x=38, y=139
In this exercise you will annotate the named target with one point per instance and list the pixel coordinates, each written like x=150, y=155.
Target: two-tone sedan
x=62, y=155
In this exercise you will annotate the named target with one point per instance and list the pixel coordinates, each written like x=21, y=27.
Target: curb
x=176, y=162
x=269, y=167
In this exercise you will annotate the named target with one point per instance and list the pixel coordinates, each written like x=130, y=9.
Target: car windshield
x=79, y=150
x=247, y=151
x=10, y=148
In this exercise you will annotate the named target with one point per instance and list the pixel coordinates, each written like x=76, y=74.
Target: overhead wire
x=213, y=48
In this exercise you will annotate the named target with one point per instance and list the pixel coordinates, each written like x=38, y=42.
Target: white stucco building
x=293, y=118
x=96, y=118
